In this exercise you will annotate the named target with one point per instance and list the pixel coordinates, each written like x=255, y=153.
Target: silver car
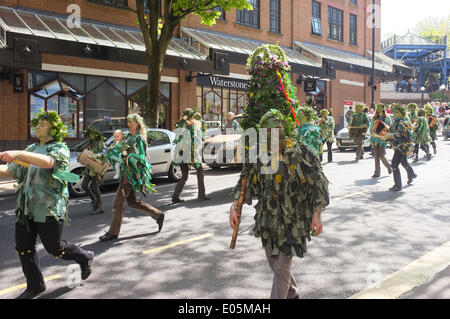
x=160, y=153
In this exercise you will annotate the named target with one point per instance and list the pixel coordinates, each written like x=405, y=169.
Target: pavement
x=400, y=241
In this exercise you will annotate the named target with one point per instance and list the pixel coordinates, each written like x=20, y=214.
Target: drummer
x=91, y=178
x=379, y=145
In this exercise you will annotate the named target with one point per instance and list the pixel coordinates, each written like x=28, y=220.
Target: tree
x=158, y=32
x=434, y=28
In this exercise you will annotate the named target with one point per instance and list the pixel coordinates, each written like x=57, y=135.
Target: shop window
x=118, y=84
x=249, y=18
x=93, y=81
x=212, y=106
x=36, y=78
x=335, y=24
x=134, y=85
x=75, y=80
x=104, y=104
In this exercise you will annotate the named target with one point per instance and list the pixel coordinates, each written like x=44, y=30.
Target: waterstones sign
x=221, y=82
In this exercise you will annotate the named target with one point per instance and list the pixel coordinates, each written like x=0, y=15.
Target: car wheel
x=174, y=172
x=215, y=166
x=75, y=189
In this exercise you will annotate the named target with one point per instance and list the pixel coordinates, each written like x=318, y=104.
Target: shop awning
x=46, y=26
x=348, y=61
x=239, y=48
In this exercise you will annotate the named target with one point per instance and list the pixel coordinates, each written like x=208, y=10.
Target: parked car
x=343, y=140
x=222, y=149
x=446, y=128
x=160, y=153
x=212, y=128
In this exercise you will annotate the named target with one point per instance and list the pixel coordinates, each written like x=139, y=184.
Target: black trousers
x=50, y=235
x=184, y=177
x=91, y=185
x=329, y=151
x=400, y=158
x=423, y=147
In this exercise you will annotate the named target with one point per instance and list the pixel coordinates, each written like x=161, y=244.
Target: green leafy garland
x=58, y=128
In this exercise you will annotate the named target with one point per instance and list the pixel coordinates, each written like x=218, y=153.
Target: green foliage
x=438, y=96
x=58, y=128
x=264, y=90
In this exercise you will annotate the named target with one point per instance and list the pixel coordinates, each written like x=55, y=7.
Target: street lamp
x=422, y=89
x=442, y=90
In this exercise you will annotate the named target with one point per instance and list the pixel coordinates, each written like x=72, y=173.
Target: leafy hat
x=58, y=128
x=396, y=107
x=359, y=107
x=286, y=121
x=428, y=108
x=307, y=112
x=92, y=130
x=412, y=107
x=324, y=112
x=421, y=112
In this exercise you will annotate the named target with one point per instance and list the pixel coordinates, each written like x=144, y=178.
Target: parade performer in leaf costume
x=359, y=123
x=190, y=131
x=42, y=174
x=412, y=112
x=308, y=133
x=326, y=125
x=135, y=175
x=91, y=179
x=291, y=187
x=400, y=137
x=421, y=135
x=433, y=123
x=382, y=121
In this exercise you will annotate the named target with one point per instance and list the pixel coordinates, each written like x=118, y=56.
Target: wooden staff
x=239, y=211
x=21, y=163
x=357, y=126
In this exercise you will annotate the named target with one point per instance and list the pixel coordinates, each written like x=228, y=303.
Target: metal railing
x=412, y=39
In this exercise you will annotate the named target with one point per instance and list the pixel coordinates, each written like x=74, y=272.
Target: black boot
x=86, y=266
x=107, y=237
x=30, y=293
x=160, y=221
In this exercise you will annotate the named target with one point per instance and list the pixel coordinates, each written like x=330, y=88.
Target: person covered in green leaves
x=288, y=181
x=380, y=121
x=433, y=123
x=43, y=200
x=421, y=135
x=135, y=176
x=92, y=179
x=400, y=137
x=359, y=123
x=191, y=131
x=412, y=112
x=326, y=125
x=307, y=132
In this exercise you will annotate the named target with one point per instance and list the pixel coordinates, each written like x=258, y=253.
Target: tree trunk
x=153, y=90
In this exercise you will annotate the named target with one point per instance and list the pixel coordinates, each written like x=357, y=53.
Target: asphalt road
x=369, y=233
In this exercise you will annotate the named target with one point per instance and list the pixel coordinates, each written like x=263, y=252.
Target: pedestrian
x=401, y=139
x=421, y=136
x=232, y=122
x=433, y=123
x=326, y=126
x=290, y=201
x=359, y=124
x=135, y=175
x=307, y=132
x=348, y=115
x=190, y=131
x=92, y=179
x=379, y=121
x=412, y=112
x=42, y=201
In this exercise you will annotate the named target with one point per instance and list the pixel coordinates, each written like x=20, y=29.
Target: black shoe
x=160, y=221
x=428, y=156
x=31, y=293
x=177, y=200
x=395, y=188
x=410, y=180
x=390, y=170
x=415, y=160
x=107, y=237
x=86, y=267
x=375, y=176
x=200, y=198
x=99, y=210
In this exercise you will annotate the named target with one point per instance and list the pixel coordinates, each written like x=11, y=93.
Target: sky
x=399, y=16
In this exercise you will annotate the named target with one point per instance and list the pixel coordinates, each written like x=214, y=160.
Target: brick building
x=96, y=73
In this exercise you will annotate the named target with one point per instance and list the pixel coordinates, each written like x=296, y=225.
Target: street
x=369, y=233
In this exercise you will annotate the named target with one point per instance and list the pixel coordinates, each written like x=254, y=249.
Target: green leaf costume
x=97, y=146
x=309, y=134
x=43, y=192
x=402, y=140
x=326, y=126
x=358, y=119
x=421, y=131
x=375, y=141
x=134, y=166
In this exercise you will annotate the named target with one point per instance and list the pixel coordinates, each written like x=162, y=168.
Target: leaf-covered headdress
x=286, y=121
x=58, y=128
x=396, y=107
x=98, y=136
x=307, y=112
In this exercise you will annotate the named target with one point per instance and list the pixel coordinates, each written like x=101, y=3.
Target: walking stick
x=239, y=211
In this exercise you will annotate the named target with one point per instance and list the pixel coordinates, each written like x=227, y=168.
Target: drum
x=88, y=159
x=432, y=121
x=380, y=128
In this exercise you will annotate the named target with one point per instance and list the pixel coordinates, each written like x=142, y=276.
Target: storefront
x=216, y=96
x=86, y=100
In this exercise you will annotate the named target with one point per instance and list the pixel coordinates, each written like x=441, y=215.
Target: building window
x=113, y=3
x=316, y=18
x=249, y=18
x=275, y=16
x=222, y=15
x=335, y=24
x=354, y=2
x=353, y=29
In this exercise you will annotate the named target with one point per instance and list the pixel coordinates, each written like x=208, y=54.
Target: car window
x=156, y=138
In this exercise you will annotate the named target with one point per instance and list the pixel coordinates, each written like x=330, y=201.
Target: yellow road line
x=176, y=244
x=409, y=277
x=22, y=286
